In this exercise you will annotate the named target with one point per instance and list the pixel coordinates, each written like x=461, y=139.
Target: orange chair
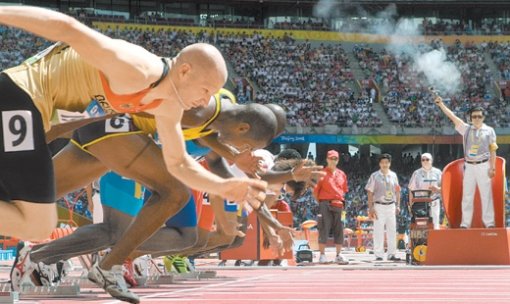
x=451, y=189
x=477, y=245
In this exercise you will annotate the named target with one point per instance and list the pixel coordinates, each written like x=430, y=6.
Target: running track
x=325, y=285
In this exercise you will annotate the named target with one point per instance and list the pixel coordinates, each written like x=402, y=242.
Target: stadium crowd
x=314, y=83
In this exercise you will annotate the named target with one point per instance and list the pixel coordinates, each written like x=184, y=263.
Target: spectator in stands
x=330, y=193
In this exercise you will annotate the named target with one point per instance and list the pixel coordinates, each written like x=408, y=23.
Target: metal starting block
x=195, y=275
x=8, y=296
x=156, y=280
x=82, y=282
x=58, y=291
x=29, y=291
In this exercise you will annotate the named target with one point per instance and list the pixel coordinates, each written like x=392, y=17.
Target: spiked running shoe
x=112, y=281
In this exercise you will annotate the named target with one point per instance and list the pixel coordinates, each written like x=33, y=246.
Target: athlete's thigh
x=75, y=169
x=135, y=156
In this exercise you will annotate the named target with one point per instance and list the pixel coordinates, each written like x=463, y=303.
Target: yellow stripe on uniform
x=95, y=141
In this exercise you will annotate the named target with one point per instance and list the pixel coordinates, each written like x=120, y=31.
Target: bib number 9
x=18, y=131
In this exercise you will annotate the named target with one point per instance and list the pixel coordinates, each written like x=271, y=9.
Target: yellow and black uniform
x=56, y=78
x=123, y=125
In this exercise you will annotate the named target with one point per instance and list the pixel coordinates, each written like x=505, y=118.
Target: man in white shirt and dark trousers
x=480, y=162
x=428, y=178
x=383, y=193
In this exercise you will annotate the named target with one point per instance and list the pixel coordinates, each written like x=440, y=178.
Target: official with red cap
x=330, y=193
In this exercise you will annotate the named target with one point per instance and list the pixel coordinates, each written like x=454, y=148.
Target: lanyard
x=387, y=185
x=479, y=137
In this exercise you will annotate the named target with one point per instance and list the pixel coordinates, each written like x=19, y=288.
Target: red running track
x=326, y=285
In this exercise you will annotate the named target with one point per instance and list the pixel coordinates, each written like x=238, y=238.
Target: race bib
x=95, y=109
x=388, y=196
x=473, y=150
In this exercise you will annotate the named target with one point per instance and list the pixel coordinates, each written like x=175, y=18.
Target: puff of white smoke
x=325, y=8
x=403, y=37
x=440, y=73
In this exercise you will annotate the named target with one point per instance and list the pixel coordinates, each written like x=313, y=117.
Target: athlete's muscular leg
x=26, y=220
x=204, y=246
x=167, y=238
x=75, y=169
x=218, y=238
x=137, y=157
x=226, y=228
x=85, y=239
x=223, y=219
x=201, y=240
x=236, y=242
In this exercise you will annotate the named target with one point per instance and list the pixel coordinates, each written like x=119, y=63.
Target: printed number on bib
x=18, y=131
x=206, y=199
x=117, y=124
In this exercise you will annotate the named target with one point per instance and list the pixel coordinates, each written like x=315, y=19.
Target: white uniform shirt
x=477, y=141
x=384, y=187
x=422, y=180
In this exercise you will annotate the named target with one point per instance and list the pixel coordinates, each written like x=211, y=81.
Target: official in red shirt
x=330, y=192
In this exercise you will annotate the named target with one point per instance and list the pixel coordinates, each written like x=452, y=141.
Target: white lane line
x=364, y=300
x=318, y=294
x=162, y=294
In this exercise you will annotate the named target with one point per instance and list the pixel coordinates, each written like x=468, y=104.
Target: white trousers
x=386, y=217
x=435, y=209
x=477, y=175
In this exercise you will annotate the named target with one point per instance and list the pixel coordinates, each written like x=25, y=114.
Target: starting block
x=82, y=282
x=8, y=296
x=27, y=291
x=195, y=275
x=156, y=280
x=58, y=291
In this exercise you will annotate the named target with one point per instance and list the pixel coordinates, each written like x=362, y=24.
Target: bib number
x=18, y=131
x=117, y=124
x=206, y=199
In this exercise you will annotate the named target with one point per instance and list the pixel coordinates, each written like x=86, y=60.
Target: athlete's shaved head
x=198, y=72
x=205, y=58
x=281, y=117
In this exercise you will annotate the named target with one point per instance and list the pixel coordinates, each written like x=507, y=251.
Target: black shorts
x=119, y=125
x=330, y=218
x=26, y=168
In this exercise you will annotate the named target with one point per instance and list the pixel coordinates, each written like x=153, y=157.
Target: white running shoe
x=112, y=281
x=341, y=260
x=22, y=268
x=323, y=259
